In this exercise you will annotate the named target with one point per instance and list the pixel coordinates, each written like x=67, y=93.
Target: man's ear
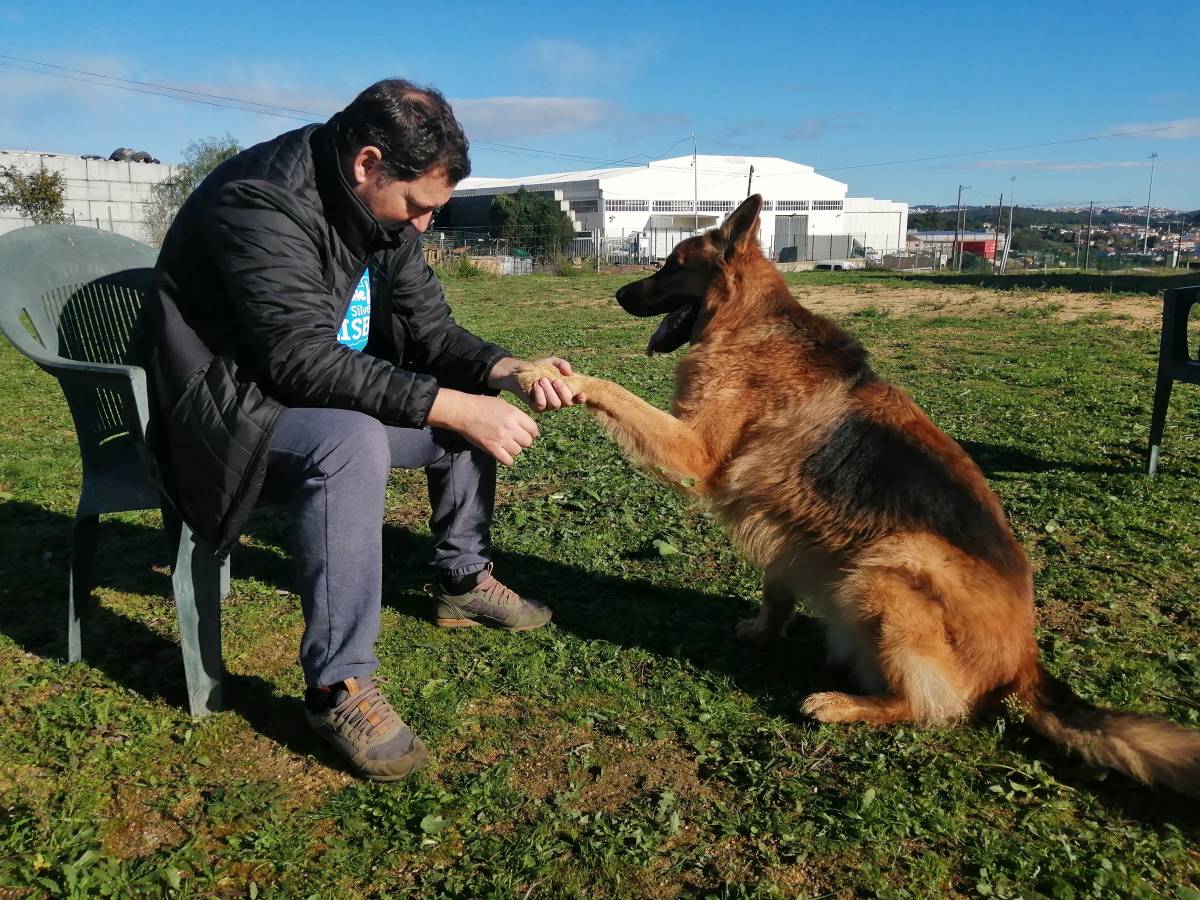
x=742, y=224
x=365, y=165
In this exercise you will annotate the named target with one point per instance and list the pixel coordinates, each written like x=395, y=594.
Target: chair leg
x=1158, y=418
x=198, y=581
x=173, y=526
x=79, y=595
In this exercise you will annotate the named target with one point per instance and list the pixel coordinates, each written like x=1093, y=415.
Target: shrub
x=460, y=267
x=40, y=195
x=200, y=158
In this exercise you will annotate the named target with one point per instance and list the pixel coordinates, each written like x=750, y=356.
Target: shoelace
x=496, y=592
x=368, y=712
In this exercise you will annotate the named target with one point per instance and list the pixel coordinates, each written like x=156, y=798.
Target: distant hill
x=942, y=218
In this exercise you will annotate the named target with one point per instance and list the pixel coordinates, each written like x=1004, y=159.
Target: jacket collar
x=354, y=222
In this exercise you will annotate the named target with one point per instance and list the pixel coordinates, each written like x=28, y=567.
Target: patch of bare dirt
x=1139, y=311
x=136, y=829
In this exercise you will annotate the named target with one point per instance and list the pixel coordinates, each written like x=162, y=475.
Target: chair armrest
x=129, y=382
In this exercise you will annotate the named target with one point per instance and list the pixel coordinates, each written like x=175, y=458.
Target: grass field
x=631, y=749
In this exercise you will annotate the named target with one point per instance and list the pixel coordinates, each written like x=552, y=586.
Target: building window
x=585, y=206
x=768, y=205
x=791, y=204
x=672, y=205
x=626, y=206
x=715, y=205
x=827, y=204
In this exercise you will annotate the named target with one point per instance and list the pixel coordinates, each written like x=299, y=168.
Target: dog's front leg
x=650, y=437
x=778, y=604
x=653, y=439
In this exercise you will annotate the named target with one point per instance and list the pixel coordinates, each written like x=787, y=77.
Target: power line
x=241, y=104
x=164, y=92
x=1094, y=137
x=150, y=84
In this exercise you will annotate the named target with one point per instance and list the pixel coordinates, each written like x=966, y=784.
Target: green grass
x=631, y=749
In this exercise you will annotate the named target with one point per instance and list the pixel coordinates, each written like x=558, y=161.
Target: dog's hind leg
x=834, y=706
x=921, y=671
x=778, y=604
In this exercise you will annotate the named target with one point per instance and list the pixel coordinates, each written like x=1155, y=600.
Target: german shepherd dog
x=846, y=494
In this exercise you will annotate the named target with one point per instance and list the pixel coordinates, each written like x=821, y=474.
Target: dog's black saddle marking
x=869, y=471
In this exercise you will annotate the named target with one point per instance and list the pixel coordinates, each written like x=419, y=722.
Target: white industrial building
x=647, y=209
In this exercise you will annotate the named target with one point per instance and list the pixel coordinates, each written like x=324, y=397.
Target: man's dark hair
x=413, y=127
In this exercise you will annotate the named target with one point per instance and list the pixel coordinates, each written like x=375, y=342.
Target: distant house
x=946, y=243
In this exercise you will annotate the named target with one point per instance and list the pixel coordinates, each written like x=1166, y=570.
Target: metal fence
x=649, y=246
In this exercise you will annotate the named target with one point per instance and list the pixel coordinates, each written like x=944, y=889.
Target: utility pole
x=1012, y=202
x=956, y=247
x=1149, y=192
x=996, y=230
x=750, y=180
x=695, y=186
x=1087, y=255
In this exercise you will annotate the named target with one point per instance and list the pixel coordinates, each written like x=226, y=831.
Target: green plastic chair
x=70, y=300
x=1175, y=362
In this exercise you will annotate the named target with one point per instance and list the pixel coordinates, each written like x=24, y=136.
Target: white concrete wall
x=884, y=222
x=99, y=193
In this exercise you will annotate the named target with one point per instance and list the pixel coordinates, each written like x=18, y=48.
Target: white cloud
x=508, y=118
x=568, y=63
x=565, y=59
x=813, y=127
x=1170, y=130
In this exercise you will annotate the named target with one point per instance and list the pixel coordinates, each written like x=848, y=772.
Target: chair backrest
x=81, y=289
x=1177, y=308
x=80, y=292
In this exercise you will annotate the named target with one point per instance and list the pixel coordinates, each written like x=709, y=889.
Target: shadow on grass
x=996, y=459
x=681, y=622
x=34, y=562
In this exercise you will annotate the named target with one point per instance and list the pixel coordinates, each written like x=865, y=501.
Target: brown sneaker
x=361, y=724
x=488, y=603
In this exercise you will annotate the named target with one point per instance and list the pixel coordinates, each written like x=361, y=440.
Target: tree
x=1026, y=239
x=971, y=262
x=39, y=195
x=200, y=158
x=534, y=222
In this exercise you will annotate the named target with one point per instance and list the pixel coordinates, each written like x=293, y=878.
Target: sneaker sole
x=475, y=623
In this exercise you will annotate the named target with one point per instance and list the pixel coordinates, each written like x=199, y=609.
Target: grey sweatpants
x=330, y=468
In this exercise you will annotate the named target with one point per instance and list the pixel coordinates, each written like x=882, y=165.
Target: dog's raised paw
x=527, y=377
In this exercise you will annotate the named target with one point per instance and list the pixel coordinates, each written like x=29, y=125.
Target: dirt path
x=1133, y=311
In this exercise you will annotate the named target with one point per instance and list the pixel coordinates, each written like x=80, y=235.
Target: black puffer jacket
x=250, y=288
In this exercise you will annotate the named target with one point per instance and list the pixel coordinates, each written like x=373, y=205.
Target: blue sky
x=840, y=87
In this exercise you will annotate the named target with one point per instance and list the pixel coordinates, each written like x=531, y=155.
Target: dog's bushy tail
x=1146, y=748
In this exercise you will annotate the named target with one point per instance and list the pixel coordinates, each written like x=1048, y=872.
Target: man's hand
x=491, y=424
x=541, y=393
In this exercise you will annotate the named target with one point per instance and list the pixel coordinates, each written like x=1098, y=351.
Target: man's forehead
x=432, y=186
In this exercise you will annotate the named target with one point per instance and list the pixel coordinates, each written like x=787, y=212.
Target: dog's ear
x=742, y=224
